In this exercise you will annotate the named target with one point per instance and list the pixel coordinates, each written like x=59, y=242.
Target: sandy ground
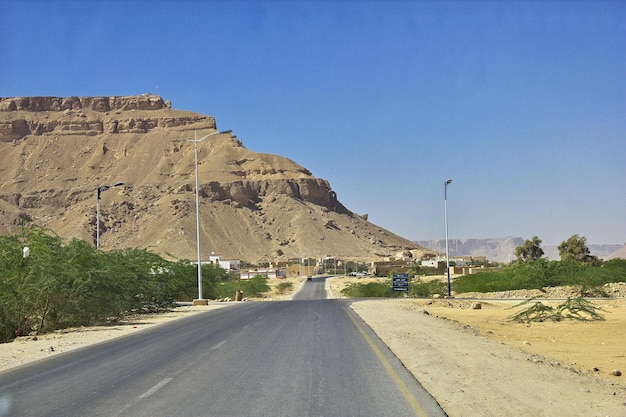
x=479, y=363
x=474, y=362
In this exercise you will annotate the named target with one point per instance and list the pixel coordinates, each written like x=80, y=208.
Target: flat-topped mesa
x=100, y=104
x=55, y=152
x=91, y=116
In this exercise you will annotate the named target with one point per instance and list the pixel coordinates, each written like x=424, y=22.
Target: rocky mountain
x=502, y=249
x=55, y=153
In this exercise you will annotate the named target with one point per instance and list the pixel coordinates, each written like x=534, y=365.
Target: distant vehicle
x=309, y=278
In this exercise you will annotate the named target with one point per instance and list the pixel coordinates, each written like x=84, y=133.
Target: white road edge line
x=219, y=345
x=155, y=388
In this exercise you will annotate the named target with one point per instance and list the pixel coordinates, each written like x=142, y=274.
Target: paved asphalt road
x=306, y=357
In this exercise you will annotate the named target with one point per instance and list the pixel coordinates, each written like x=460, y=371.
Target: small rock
x=616, y=372
x=526, y=342
x=477, y=306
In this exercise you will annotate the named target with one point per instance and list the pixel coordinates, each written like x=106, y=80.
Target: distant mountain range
x=502, y=249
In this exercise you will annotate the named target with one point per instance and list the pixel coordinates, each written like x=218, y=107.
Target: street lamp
x=195, y=141
x=445, y=210
x=101, y=189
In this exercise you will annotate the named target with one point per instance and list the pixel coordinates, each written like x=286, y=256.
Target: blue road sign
x=400, y=282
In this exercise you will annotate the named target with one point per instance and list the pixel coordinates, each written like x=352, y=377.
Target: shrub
x=542, y=273
x=427, y=289
x=284, y=286
x=370, y=289
x=253, y=287
x=62, y=285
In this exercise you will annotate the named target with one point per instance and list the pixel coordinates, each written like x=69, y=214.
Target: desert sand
x=475, y=362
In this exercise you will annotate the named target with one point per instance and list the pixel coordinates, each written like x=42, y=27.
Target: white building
x=434, y=263
x=227, y=264
x=268, y=272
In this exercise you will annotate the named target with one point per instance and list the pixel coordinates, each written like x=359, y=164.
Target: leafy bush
x=285, y=286
x=215, y=281
x=427, y=289
x=62, y=285
x=385, y=289
x=253, y=287
x=370, y=289
x=542, y=273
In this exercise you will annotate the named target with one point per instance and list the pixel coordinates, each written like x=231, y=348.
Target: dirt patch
x=596, y=347
x=477, y=362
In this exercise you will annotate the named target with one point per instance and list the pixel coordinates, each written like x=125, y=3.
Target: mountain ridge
x=502, y=249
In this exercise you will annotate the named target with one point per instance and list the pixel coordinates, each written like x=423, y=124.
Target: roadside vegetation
x=54, y=285
x=253, y=287
x=417, y=289
x=284, y=287
x=543, y=273
x=48, y=284
x=531, y=271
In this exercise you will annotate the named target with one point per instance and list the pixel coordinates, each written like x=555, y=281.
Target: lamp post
x=195, y=141
x=101, y=189
x=445, y=211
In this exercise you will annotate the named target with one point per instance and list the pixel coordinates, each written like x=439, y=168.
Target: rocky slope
x=56, y=152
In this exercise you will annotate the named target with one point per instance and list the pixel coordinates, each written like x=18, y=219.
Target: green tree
x=62, y=285
x=575, y=249
x=529, y=251
x=415, y=269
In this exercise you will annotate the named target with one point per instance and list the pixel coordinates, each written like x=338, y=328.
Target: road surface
x=306, y=357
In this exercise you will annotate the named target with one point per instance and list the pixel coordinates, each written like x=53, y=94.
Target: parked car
x=309, y=278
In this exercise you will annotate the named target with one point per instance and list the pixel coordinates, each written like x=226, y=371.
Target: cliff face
x=89, y=116
x=495, y=249
x=56, y=152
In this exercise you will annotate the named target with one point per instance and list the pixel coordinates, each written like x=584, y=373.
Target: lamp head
x=448, y=182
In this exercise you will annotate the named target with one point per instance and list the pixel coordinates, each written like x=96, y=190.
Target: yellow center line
x=392, y=373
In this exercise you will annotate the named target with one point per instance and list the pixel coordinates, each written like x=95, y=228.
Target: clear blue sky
x=522, y=104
